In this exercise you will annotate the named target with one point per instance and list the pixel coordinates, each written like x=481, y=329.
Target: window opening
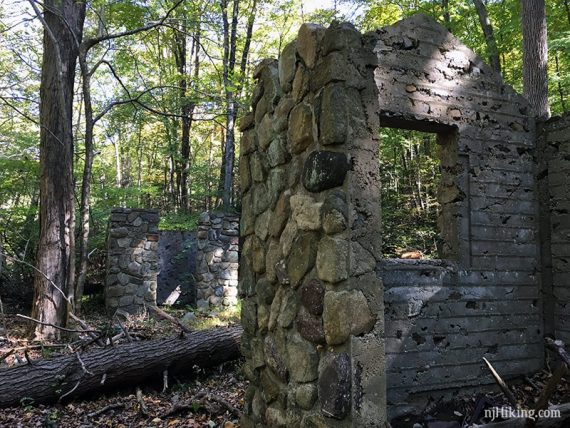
x=419, y=193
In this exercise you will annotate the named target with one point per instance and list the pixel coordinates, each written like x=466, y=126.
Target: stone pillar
x=310, y=224
x=132, y=259
x=217, y=260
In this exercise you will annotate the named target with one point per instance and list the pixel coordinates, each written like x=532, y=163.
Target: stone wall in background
x=319, y=345
x=555, y=182
x=132, y=260
x=217, y=257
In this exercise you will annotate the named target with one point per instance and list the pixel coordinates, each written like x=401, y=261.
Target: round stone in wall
x=324, y=170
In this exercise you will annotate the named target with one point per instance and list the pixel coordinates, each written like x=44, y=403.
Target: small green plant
x=27, y=403
x=196, y=406
x=53, y=415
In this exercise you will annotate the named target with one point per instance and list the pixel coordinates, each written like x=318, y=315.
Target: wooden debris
x=143, y=410
x=161, y=314
x=91, y=332
x=115, y=406
x=131, y=363
x=504, y=387
x=550, y=388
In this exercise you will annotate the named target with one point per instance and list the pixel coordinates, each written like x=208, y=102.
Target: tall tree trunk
x=180, y=52
x=86, y=180
x=118, y=167
x=63, y=29
x=567, y=7
x=446, y=16
x=535, y=57
x=487, y=28
x=229, y=37
x=187, y=106
x=233, y=88
x=560, y=90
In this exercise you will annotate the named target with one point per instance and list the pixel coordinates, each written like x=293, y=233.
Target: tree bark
x=229, y=33
x=559, y=85
x=187, y=106
x=487, y=28
x=446, y=16
x=232, y=88
x=535, y=57
x=63, y=28
x=72, y=376
x=86, y=181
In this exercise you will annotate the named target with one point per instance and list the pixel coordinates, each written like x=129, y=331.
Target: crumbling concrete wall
x=217, y=259
x=555, y=217
x=132, y=260
x=484, y=300
x=311, y=272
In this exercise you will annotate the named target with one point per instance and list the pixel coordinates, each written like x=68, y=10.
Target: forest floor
x=210, y=398
x=207, y=398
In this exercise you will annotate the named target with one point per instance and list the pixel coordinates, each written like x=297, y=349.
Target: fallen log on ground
x=131, y=364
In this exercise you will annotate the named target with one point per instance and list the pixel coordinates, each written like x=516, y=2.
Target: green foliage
x=409, y=168
x=137, y=145
x=178, y=221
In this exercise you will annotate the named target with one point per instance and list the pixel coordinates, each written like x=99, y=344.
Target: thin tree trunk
x=140, y=151
x=63, y=28
x=187, y=109
x=229, y=143
x=1, y=253
x=118, y=167
x=535, y=57
x=487, y=28
x=180, y=53
x=560, y=90
x=567, y=7
x=446, y=17
x=230, y=46
x=86, y=182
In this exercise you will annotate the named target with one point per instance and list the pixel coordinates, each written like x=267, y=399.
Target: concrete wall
x=132, y=260
x=311, y=272
x=484, y=301
x=555, y=181
x=217, y=260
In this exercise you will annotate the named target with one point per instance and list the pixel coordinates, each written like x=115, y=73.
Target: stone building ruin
x=217, y=260
x=132, y=260
x=148, y=266
x=333, y=333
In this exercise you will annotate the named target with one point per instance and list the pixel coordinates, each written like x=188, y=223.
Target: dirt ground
x=212, y=398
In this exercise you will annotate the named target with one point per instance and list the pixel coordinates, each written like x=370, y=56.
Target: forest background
x=155, y=111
